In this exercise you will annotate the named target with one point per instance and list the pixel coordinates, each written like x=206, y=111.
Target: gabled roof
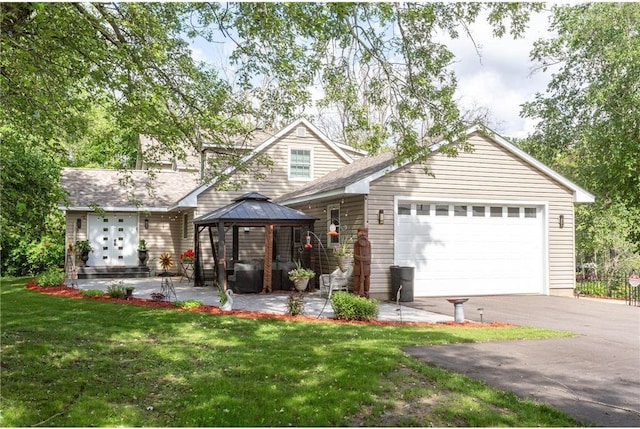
x=114, y=190
x=190, y=200
x=356, y=178
x=254, y=208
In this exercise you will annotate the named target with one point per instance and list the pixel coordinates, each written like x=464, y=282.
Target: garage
x=474, y=248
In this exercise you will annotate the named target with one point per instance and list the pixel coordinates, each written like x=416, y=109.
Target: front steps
x=112, y=272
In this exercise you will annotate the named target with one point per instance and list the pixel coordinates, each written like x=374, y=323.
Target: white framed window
x=300, y=164
x=404, y=208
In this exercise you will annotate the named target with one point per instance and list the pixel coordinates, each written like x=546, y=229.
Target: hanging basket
x=301, y=284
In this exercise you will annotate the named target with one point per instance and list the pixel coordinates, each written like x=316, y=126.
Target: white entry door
x=113, y=237
x=472, y=249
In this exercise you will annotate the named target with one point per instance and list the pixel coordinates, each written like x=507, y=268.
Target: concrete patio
x=276, y=302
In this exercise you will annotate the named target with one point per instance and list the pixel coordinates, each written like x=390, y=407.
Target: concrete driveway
x=594, y=376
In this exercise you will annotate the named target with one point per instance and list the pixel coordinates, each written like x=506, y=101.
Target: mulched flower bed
x=66, y=291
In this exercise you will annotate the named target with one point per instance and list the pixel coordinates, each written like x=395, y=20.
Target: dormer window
x=300, y=164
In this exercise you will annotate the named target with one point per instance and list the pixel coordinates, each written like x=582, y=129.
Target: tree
x=128, y=68
x=590, y=113
x=60, y=58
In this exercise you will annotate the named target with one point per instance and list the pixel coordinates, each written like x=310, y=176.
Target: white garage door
x=471, y=249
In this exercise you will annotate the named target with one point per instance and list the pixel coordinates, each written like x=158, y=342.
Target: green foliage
x=116, y=290
x=32, y=238
x=222, y=296
x=590, y=113
x=602, y=289
x=190, y=303
x=295, y=303
x=51, y=277
x=347, y=306
x=142, y=244
x=83, y=246
x=91, y=292
x=108, y=364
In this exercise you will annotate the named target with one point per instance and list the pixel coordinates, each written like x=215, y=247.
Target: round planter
x=301, y=284
x=344, y=262
x=142, y=257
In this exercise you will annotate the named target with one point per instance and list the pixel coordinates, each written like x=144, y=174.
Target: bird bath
x=458, y=311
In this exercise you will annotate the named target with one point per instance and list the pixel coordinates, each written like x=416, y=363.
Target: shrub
x=91, y=292
x=295, y=304
x=190, y=303
x=116, y=290
x=347, y=306
x=51, y=277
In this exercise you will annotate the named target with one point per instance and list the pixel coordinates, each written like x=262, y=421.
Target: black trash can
x=402, y=276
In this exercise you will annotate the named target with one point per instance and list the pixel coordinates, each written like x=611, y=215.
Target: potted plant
x=300, y=276
x=128, y=290
x=142, y=253
x=343, y=253
x=83, y=247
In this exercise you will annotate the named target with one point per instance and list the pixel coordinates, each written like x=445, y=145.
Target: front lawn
x=81, y=362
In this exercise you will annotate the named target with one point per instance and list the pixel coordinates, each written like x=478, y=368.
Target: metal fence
x=614, y=286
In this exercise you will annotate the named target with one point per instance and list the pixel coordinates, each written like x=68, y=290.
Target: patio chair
x=337, y=280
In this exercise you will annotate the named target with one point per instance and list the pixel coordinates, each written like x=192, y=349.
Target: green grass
x=71, y=362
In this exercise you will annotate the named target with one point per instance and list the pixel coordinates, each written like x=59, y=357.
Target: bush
x=51, y=277
x=91, y=292
x=347, y=306
x=190, y=303
x=116, y=290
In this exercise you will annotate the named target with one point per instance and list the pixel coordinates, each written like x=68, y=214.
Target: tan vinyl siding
x=487, y=173
x=277, y=182
x=351, y=218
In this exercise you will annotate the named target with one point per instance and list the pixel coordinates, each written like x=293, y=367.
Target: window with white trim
x=300, y=164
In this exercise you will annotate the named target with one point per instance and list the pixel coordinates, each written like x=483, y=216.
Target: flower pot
x=142, y=257
x=300, y=284
x=85, y=257
x=344, y=262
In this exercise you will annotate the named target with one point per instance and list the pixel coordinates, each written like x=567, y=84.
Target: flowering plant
x=187, y=256
x=300, y=273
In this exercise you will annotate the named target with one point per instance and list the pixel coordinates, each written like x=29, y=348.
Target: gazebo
x=250, y=210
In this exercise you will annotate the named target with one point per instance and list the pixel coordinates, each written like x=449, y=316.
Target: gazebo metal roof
x=252, y=209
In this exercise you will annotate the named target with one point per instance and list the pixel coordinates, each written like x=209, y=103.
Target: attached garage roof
x=254, y=208
x=356, y=178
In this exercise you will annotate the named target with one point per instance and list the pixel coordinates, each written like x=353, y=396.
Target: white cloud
x=501, y=78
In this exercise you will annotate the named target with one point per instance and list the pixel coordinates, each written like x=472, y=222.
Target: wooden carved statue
x=362, y=263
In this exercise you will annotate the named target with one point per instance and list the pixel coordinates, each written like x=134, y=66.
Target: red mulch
x=66, y=291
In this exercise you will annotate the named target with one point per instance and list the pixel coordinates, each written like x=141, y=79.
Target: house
x=490, y=221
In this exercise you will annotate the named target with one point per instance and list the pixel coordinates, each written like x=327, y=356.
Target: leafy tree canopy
x=59, y=59
x=590, y=113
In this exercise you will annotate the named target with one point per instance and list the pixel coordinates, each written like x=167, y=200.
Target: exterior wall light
x=146, y=224
x=381, y=217
x=78, y=223
x=561, y=221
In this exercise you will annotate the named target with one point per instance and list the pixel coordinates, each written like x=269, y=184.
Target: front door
x=113, y=237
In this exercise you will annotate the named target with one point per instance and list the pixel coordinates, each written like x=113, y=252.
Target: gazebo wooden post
x=222, y=254
x=215, y=253
x=198, y=279
x=268, y=258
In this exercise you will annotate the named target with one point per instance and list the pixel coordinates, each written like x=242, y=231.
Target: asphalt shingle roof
x=345, y=176
x=113, y=188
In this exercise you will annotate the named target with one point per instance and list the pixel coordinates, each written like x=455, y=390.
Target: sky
x=501, y=79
